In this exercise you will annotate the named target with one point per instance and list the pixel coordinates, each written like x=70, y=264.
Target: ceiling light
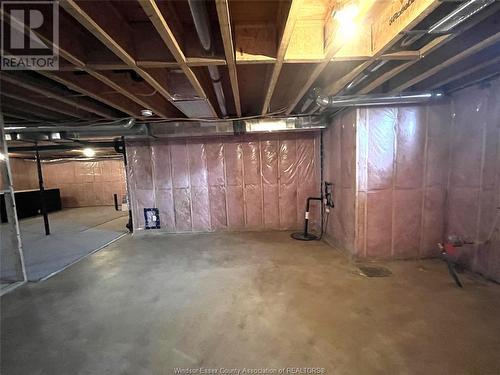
x=459, y=15
x=348, y=12
x=146, y=112
x=346, y=17
x=88, y=152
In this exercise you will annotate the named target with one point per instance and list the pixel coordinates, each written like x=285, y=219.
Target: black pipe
x=306, y=221
x=120, y=147
x=115, y=197
x=43, y=205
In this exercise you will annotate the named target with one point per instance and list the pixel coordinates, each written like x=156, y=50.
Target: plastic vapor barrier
x=24, y=174
x=420, y=173
x=474, y=183
x=340, y=169
x=86, y=183
x=402, y=175
x=253, y=182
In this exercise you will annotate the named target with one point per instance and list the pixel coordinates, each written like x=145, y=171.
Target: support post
x=10, y=246
x=43, y=204
x=115, y=197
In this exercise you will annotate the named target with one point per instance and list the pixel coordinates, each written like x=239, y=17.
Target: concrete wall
x=340, y=169
x=257, y=182
x=474, y=180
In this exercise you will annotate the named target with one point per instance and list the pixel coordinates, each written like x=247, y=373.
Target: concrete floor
x=147, y=304
x=75, y=232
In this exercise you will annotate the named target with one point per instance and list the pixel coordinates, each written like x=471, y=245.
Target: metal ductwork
x=375, y=99
x=459, y=15
x=198, y=129
x=202, y=24
x=120, y=125
x=60, y=133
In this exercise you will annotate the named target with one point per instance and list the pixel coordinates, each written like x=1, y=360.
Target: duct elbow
x=323, y=101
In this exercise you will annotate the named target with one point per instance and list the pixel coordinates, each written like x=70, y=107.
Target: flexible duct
x=202, y=24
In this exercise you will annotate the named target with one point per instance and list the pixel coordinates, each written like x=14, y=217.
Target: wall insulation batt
x=252, y=182
x=408, y=176
x=81, y=183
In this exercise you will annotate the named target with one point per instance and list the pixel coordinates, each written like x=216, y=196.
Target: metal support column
x=11, y=246
x=43, y=204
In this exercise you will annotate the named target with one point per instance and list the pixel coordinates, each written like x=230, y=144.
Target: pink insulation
x=402, y=169
x=474, y=182
x=340, y=169
x=421, y=173
x=24, y=174
x=253, y=182
x=86, y=183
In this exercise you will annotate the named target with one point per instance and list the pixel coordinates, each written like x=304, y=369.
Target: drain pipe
x=202, y=24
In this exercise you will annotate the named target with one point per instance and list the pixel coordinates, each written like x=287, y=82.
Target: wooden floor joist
x=55, y=77
x=435, y=44
x=63, y=97
x=227, y=40
x=283, y=46
x=36, y=111
x=154, y=14
x=120, y=50
x=466, y=72
x=64, y=110
x=452, y=60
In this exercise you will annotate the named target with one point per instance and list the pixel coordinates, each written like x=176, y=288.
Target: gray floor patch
x=374, y=271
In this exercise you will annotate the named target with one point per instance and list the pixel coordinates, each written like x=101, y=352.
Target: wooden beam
x=283, y=46
x=386, y=31
x=437, y=43
x=466, y=72
x=335, y=87
x=482, y=77
x=312, y=78
x=154, y=14
x=61, y=95
x=227, y=39
x=120, y=43
x=70, y=51
x=87, y=91
x=31, y=109
x=334, y=45
x=46, y=103
x=384, y=78
x=397, y=17
x=16, y=115
x=150, y=103
x=204, y=61
x=452, y=60
x=145, y=64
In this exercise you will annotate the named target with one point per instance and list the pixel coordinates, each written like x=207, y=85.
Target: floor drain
x=374, y=271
